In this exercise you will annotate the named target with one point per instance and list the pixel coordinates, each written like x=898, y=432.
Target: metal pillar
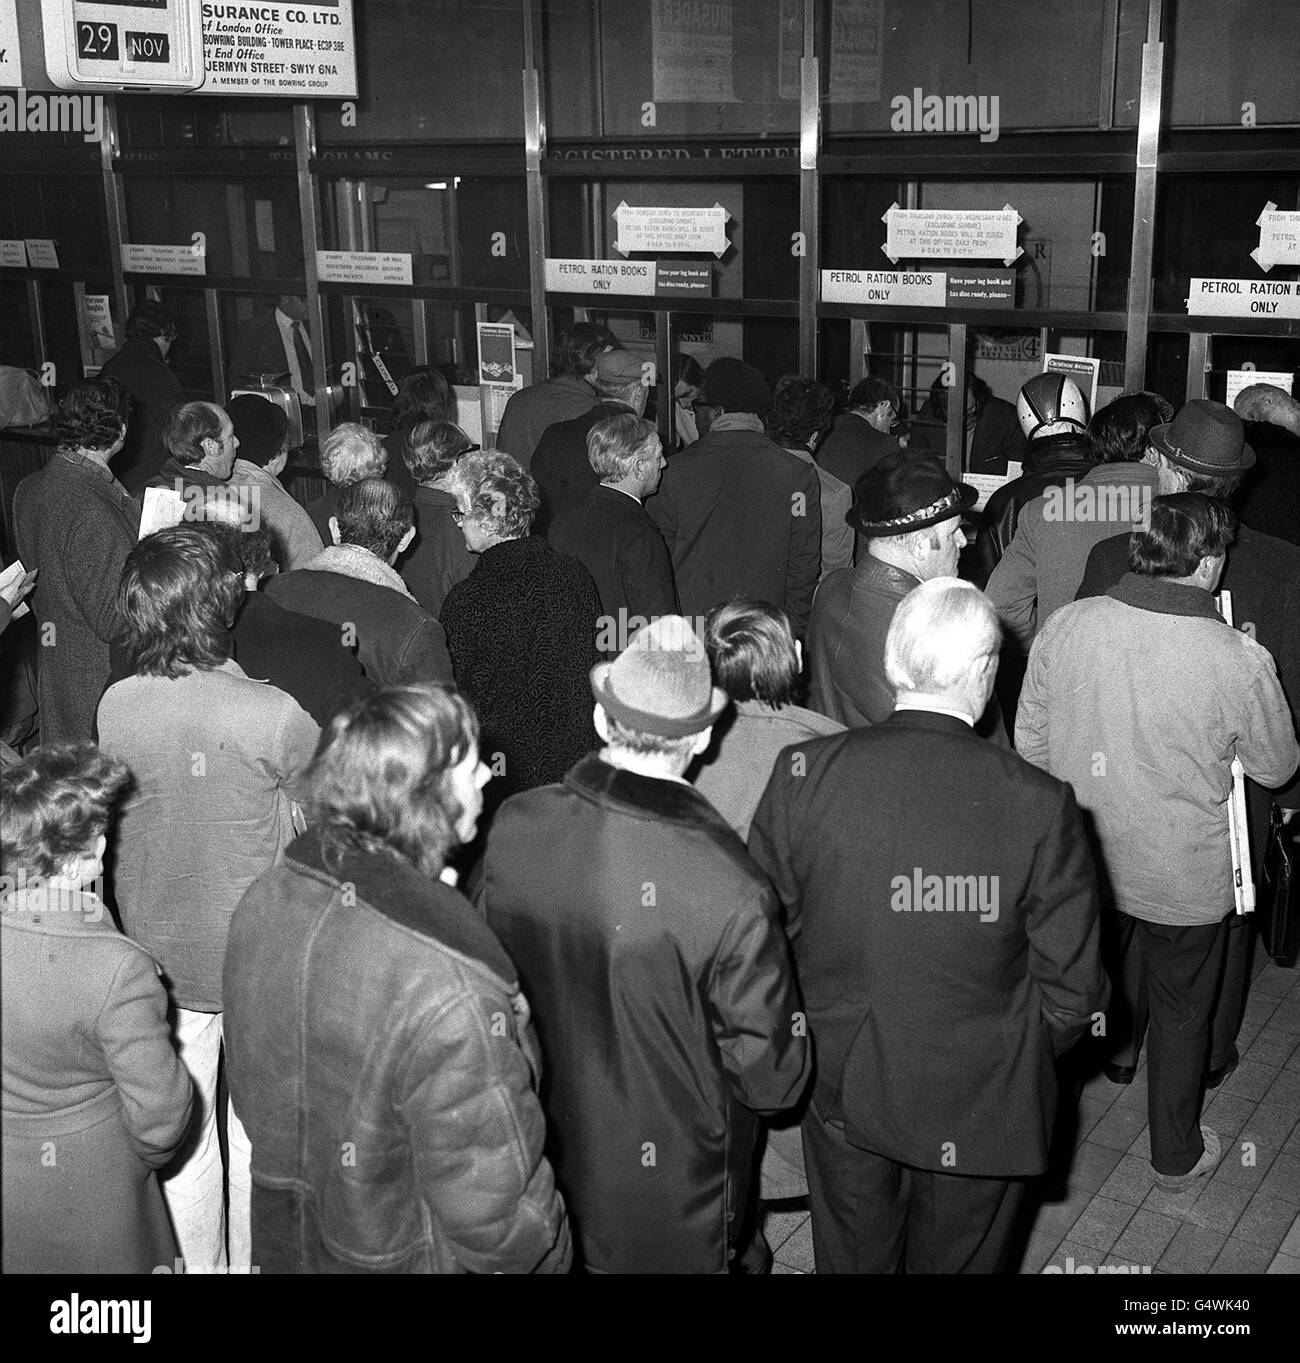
x=304, y=149
x=1144, y=203
x=534, y=150
x=809, y=195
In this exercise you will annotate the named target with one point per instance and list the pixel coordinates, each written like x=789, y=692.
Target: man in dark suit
x=276, y=343
x=141, y=368
x=860, y=438
x=740, y=515
x=992, y=433
x=943, y=905
x=609, y=531
x=560, y=464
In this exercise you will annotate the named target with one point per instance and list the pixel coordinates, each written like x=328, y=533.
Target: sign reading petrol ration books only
x=1244, y=297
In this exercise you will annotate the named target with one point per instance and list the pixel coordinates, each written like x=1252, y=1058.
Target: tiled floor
x=1106, y=1207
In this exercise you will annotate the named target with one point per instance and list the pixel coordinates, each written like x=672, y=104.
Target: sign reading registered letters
x=1279, y=238
x=669, y=230
x=641, y=278
x=952, y=233
x=306, y=49
x=142, y=258
x=364, y=267
x=1243, y=298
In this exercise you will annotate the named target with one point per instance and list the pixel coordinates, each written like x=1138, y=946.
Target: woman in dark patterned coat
x=521, y=630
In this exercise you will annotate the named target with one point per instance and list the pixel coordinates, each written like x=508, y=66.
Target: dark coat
x=381, y=1061
x=935, y=1032
x=621, y=547
x=846, y=647
x=301, y=656
x=397, y=643
x=321, y=508
x=258, y=349
x=77, y=526
x=560, y=465
x=741, y=517
x=1263, y=575
x=531, y=410
x=1048, y=463
x=438, y=559
x=521, y=629
x=397, y=442
x=664, y=999
x=1270, y=494
x=155, y=391
x=853, y=447
x=91, y=1074
x=997, y=438
x=189, y=480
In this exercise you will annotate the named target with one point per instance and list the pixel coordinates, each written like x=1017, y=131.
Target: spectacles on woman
x=458, y=517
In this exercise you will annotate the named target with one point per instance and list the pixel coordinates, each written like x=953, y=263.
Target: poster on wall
x=856, y=33
x=307, y=48
x=99, y=328
x=692, y=49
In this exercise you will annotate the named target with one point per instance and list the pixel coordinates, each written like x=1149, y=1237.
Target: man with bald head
x=1270, y=499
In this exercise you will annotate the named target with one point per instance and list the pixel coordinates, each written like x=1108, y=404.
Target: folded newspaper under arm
x=1243, y=883
x=163, y=508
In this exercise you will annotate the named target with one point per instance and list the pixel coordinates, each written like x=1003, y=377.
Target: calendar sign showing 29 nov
x=303, y=49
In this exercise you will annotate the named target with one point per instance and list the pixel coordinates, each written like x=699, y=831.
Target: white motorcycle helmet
x=1051, y=404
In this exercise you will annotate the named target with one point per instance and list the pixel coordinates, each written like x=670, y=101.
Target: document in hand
x=162, y=508
x=15, y=572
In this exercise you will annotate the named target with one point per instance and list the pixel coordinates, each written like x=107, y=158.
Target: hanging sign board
x=1243, y=298
x=1279, y=238
x=306, y=48
x=671, y=229
x=364, y=267
x=140, y=258
x=952, y=233
x=644, y=278
x=988, y=288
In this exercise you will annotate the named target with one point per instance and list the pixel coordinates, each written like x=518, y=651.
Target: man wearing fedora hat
x=1203, y=449
x=908, y=512
x=649, y=945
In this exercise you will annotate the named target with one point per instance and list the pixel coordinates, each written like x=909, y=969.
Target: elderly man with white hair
x=942, y=902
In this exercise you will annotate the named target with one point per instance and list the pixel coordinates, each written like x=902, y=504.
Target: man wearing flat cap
x=262, y=428
x=560, y=464
x=741, y=516
x=908, y=512
x=648, y=943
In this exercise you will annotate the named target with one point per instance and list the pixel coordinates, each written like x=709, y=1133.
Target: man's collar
x=931, y=706
x=736, y=421
x=1164, y=597
x=613, y=487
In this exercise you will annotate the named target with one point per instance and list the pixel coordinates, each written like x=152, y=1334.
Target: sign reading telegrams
x=139, y=258
x=671, y=229
x=364, y=267
x=1244, y=298
x=1279, y=238
x=646, y=278
x=305, y=48
x=953, y=233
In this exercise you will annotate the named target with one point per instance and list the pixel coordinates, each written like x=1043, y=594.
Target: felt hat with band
x=661, y=683
x=906, y=492
x=1205, y=437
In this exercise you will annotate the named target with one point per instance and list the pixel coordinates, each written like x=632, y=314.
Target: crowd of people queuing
x=559, y=849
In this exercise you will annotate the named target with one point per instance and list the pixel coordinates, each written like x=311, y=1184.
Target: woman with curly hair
x=95, y=1097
